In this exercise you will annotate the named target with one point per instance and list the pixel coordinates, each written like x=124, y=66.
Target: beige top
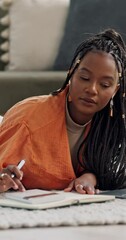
x=75, y=135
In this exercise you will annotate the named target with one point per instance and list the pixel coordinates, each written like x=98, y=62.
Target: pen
x=19, y=166
x=26, y=199
x=18, y=199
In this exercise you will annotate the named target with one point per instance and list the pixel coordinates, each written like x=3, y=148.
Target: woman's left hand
x=85, y=184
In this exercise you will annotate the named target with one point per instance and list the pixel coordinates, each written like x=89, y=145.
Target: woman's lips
x=89, y=101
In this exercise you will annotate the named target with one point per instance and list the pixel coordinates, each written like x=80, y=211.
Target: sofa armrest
x=16, y=86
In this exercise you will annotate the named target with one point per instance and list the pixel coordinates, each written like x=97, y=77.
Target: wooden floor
x=117, y=232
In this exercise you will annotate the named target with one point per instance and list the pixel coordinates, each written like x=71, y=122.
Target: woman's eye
x=105, y=85
x=84, y=78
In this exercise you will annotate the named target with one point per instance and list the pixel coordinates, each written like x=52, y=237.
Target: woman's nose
x=92, y=88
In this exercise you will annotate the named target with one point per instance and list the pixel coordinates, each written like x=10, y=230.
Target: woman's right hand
x=6, y=180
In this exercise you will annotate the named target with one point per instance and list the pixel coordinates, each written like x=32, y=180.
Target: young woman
x=74, y=138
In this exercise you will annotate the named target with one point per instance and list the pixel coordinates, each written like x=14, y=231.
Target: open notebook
x=40, y=199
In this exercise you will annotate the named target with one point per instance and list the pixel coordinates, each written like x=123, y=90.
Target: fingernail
x=23, y=190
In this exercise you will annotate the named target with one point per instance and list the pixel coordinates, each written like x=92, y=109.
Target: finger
x=2, y=175
x=89, y=189
x=79, y=188
x=70, y=187
x=2, y=180
x=7, y=182
x=97, y=191
x=20, y=185
x=18, y=176
x=15, y=172
x=10, y=182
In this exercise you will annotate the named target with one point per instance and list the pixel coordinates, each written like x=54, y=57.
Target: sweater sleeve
x=15, y=143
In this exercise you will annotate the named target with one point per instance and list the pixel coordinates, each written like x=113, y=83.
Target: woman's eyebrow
x=89, y=71
x=84, y=69
x=108, y=78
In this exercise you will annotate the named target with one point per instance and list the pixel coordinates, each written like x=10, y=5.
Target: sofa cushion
x=35, y=31
x=85, y=18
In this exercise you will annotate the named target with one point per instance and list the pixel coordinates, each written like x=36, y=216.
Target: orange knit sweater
x=35, y=130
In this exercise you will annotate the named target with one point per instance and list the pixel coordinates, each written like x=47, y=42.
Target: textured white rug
x=113, y=212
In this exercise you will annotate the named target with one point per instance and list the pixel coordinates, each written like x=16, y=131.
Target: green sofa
x=15, y=86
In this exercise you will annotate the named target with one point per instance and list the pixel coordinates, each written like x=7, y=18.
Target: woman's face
x=92, y=85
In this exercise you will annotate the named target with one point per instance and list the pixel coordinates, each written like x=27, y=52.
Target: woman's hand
x=6, y=180
x=85, y=184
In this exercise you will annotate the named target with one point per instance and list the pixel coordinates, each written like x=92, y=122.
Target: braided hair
x=104, y=153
